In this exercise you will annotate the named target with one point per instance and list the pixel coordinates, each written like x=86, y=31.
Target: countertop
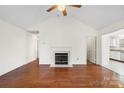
x=117, y=49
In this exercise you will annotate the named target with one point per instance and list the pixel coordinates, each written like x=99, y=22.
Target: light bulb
x=61, y=7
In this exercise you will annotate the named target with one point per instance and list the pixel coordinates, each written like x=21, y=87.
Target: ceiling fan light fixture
x=61, y=7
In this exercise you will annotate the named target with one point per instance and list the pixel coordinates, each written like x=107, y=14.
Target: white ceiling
x=95, y=16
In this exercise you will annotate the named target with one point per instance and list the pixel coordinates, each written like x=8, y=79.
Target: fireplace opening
x=61, y=58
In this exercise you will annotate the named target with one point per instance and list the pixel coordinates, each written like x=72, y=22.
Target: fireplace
x=61, y=58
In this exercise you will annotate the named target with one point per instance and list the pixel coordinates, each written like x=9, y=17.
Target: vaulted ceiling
x=97, y=17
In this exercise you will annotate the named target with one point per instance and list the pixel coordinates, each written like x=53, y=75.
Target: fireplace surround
x=61, y=57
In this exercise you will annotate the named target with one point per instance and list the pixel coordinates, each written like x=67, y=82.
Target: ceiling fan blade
x=65, y=12
x=51, y=8
x=77, y=6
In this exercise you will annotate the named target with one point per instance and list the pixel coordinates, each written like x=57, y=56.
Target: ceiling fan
x=62, y=8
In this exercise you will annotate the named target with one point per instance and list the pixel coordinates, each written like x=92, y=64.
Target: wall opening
x=113, y=51
x=91, y=49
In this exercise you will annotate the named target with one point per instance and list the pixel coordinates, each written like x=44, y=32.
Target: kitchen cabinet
x=122, y=56
x=115, y=55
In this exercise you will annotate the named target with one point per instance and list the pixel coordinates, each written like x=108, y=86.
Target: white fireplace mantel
x=61, y=50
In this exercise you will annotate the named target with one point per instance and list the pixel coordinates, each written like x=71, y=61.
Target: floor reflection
x=35, y=75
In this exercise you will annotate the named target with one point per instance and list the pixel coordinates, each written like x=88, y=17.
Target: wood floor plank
x=80, y=76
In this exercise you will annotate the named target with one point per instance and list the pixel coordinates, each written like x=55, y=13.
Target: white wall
x=31, y=46
x=105, y=49
x=13, y=47
x=63, y=32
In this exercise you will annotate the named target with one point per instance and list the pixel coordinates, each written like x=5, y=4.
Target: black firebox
x=61, y=58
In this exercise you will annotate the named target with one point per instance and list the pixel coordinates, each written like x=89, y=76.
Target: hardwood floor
x=42, y=76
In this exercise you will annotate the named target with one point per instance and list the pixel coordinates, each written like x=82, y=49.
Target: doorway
x=91, y=49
